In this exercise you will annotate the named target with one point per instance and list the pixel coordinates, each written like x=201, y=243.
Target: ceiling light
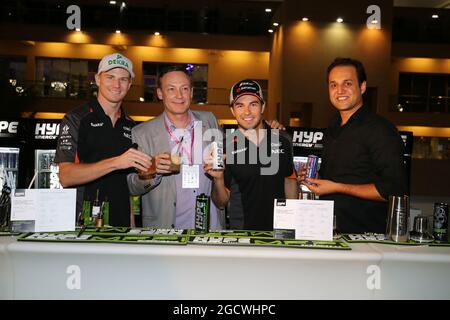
x=339, y=20
x=276, y=24
x=123, y=5
x=112, y=2
x=374, y=21
x=305, y=19
x=117, y=31
x=270, y=30
x=157, y=33
x=78, y=29
x=141, y=99
x=435, y=16
x=268, y=10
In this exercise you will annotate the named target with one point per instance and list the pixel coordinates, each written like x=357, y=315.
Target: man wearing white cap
x=94, y=145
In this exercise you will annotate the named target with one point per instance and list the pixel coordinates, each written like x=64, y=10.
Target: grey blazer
x=159, y=200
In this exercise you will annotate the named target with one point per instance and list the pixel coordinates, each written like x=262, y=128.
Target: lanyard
x=184, y=151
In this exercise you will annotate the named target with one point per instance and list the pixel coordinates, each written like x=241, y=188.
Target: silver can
x=13, y=160
x=217, y=153
x=398, y=218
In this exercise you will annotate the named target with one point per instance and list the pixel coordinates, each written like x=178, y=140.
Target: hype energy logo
x=46, y=131
x=8, y=128
x=307, y=137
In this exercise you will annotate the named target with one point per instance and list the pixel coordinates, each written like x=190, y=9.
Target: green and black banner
x=189, y=236
x=440, y=244
x=259, y=238
x=268, y=242
x=376, y=238
x=105, y=238
x=179, y=237
x=8, y=234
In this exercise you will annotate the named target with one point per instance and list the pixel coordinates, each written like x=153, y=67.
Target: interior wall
x=44, y=33
x=419, y=65
x=275, y=76
x=225, y=67
x=415, y=64
x=309, y=47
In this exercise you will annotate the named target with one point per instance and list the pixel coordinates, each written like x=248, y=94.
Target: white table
x=32, y=270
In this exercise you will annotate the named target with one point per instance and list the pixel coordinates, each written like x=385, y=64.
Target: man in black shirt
x=259, y=160
x=94, y=146
x=362, y=159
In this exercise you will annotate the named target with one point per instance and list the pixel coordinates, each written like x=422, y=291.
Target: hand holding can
x=312, y=167
x=217, y=156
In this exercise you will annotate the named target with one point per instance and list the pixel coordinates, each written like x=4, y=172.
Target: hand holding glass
x=175, y=162
x=149, y=173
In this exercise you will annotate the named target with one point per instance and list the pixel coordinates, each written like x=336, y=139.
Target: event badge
x=191, y=176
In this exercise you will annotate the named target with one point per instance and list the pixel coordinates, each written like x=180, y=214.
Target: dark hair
x=172, y=68
x=360, y=71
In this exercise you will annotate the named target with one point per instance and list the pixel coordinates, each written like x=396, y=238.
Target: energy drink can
x=87, y=212
x=5, y=160
x=136, y=205
x=202, y=213
x=105, y=212
x=13, y=160
x=44, y=183
x=440, y=221
x=312, y=165
x=45, y=162
x=217, y=153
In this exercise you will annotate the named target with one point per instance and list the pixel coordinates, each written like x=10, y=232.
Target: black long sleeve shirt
x=367, y=149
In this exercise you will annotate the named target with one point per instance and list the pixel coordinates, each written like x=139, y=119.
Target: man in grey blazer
x=168, y=198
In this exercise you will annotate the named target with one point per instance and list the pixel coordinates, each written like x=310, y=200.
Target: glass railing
x=431, y=148
x=80, y=90
x=420, y=103
x=86, y=90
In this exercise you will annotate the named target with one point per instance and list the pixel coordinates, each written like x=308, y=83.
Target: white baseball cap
x=115, y=60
